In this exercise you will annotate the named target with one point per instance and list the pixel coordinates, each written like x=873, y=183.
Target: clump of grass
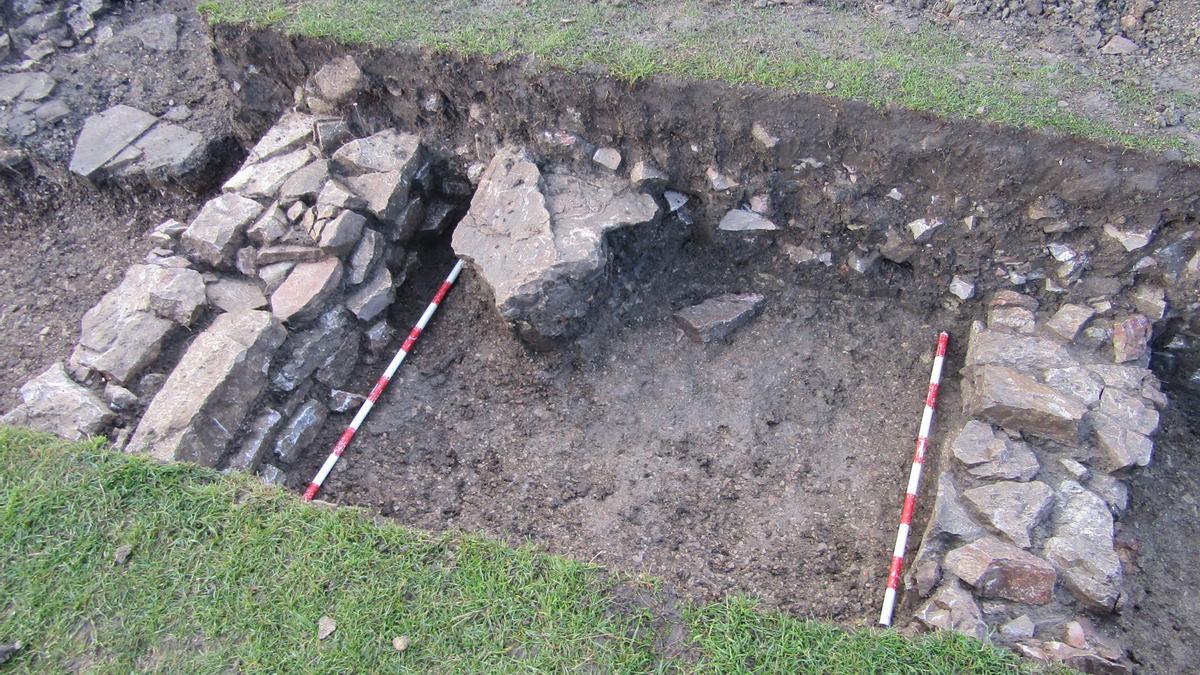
x=223, y=573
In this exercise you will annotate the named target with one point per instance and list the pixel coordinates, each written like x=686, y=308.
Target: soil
x=772, y=464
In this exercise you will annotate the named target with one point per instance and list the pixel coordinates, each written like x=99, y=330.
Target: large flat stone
x=1026, y=353
x=717, y=318
x=539, y=240
x=105, y=134
x=1018, y=402
x=54, y=403
x=218, y=231
x=125, y=331
x=292, y=131
x=385, y=152
x=999, y=570
x=204, y=402
x=1011, y=508
x=374, y=296
x=263, y=180
x=306, y=290
x=165, y=151
x=1082, y=547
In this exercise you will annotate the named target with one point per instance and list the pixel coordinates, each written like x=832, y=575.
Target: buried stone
x=1011, y=508
x=301, y=430
x=953, y=608
x=1015, y=401
x=717, y=318
x=1082, y=547
x=999, y=570
x=54, y=403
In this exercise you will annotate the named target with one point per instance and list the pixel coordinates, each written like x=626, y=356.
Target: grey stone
x=295, y=212
x=609, y=158
x=740, y=220
x=410, y=220
x=1028, y=353
x=1130, y=411
x=1082, y=547
x=291, y=132
x=306, y=290
x=125, y=331
x=307, y=351
x=1015, y=318
x=1020, y=628
x=646, y=176
x=105, y=135
x=388, y=151
x=305, y=184
x=1112, y=490
x=719, y=181
x=999, y=570
x=52, y=111
x=1126, y=378
x=1009, y=298
x=1118, y=45
x=269, y=227
x=274, y=275
x=986, y=454
x=1077, y=381
x=28, y=86
x=384, y=195
x=264, y=179
x=218, y=231
x=763, y=137
x=336, y=196
x=953, y=608
x=948, y=521
x=1074, y=469
x=718, y=317
x=205, y=400
x=80, y=22
x=288, y=253
x=257, y=440
x=334, y=84
x=336, y=370
x=1046, y=207
x=246, y=261
x=1011, y=508
x=380, y=337
x=231, y=294
x=926, y=575
x=300, y=431
x=1120, y=446
x=272, y=475
x=438, y=216
x=897, y=248
x=119, y=398
x=339, y=235
x=539, y=240
x=165, y=151
x=344, y=401
x=1009, y=399
x=962, y=288
x=331, y=133
x=1131, y=239
x=160, y=32
x=54, y=403
x=373, y=296
x=675, y=200
x=1151, y=301
x=167, y=232
x=923, y=229
x=367, y=254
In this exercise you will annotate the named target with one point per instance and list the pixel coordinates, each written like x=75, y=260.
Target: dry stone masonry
x=1020, y=542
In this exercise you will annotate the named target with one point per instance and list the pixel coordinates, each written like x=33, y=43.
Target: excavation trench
x=771, y=462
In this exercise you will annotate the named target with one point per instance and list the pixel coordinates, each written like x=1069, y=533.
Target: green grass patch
x=851, y=56
x=225, y=573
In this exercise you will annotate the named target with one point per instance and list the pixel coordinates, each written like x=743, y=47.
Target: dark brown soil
x=773, y=464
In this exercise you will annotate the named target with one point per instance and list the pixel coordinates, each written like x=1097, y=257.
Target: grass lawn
x=226, y=574
x=844, y=54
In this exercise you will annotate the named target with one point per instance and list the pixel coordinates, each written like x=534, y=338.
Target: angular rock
x=953, y=608
x=1011, y=508
x=1131, y=339
x=1027, y=353
x=1126, y=378
x=258, y=438
x=218, y=231
x=125, y=331
x=336, y=196
x=288, y=253
x=949, y=522
x=988, y=455
x=337, y=370
x=274, y=275
x=29, y=86
x=119, y=398
x=1014, y=401
x=307, y=351
x=718, y=317
x=384, y=195
x=165, y=151
x=438, y=216
x=609, y=158
x=719, y=181
x=1074, y=469
x=1077, y=381
x=167, y=232
x=292, y=131
x=999, y=570
x=1130, y=411
x=205, y=400
x=339, y=235
x=388, y=151
x=740, y=220
x=538, y=240
x=1151, y=301
x=232, y=295
x=331, y=133
x=922, y=229
x=962, y=288
x=300, y=431
x=159, y=33
x=305, y=184
x=1019, y=628
x=1120, y=446
x=380, y=337
x=646, y=176
x=52, y=402
x=374, y=296
x=106, y=134
x=306, y=290
x=344, y=401
x=1082, y=547
x=1015, y=318
x=1112, y=490
x=335, y=84
x=366, y=255
x=272, y=225
x=1117, y=45
x=763, y=137
x=264, y=179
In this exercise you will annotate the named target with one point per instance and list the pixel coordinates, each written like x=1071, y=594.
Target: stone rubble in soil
x=285, y=277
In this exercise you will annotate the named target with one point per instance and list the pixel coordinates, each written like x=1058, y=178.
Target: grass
x=225, y=573
x=852, y=56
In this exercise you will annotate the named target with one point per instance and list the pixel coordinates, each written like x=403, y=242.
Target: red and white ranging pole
x=348, y=434
x=914, y=482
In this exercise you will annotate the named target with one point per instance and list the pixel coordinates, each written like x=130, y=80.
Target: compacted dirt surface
x=773, y=463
